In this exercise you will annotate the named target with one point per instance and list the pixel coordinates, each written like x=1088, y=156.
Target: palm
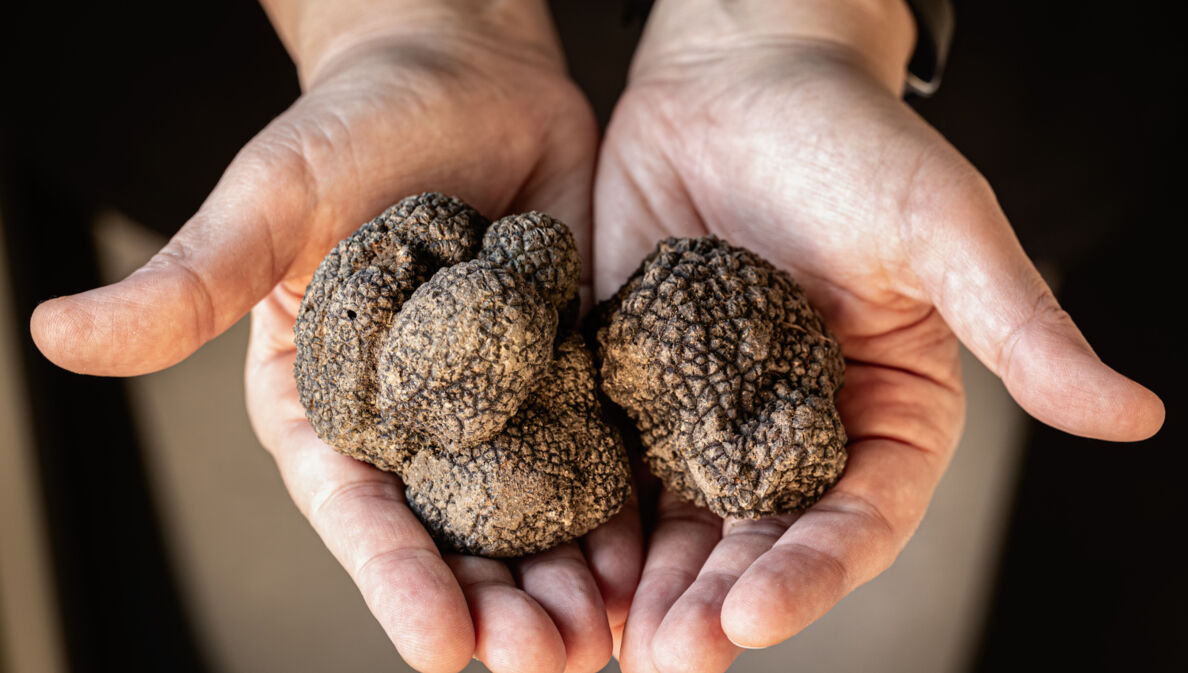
x=819, y=171
x=797, y=154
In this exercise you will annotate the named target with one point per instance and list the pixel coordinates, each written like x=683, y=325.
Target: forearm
x=881, y=33
x=315, y=31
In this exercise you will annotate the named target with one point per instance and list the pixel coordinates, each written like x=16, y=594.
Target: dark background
x=1071, y=110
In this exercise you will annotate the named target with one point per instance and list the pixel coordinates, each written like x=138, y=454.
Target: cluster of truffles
x=730, y=376
x=439, y=346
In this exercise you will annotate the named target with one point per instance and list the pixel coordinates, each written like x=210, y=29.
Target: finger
x=847, y=538
x=614, y=552
x=904, y=425
x=560, y=581
x=514, y=633
x=690, y=638
x=221, y=262
x=684, y=536
x=361, y=515
x=975, y=271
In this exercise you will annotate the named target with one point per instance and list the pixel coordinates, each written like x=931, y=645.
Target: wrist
x=316, y=32
x=880, y=34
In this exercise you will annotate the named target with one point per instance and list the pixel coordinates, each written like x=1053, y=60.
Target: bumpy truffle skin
x=350, y=304
x=534, y=245
x=467, y=314
x=730, y=376
x=429, y=344
x=551, y=472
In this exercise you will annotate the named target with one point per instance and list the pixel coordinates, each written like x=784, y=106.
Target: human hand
x=779, y=126
x=469, y=98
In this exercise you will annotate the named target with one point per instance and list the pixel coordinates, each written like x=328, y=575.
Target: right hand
x=472, y=101
x=779, y=126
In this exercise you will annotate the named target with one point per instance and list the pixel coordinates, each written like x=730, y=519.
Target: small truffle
x=730, y=377
x=430, y=343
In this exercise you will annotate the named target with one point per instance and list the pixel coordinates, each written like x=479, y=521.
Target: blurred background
x=144, y=529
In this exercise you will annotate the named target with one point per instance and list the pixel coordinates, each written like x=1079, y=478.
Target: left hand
x=400, y=96
x=779, y=126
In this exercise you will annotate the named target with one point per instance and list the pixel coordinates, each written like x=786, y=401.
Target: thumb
x=223, y=260
x=976, y=273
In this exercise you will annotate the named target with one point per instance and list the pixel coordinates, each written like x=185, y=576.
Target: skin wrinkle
x=316, y=144
x=925, y=234
x=934, y=438
x=472, y=33
x=821, y=285
x=711, y=582
x=952, y=387
x=397, y=557
x=642, y=197
x=281, y=146
x=930, y=453
x=697, y=161
x=486, y=583
x=905, y=240
x=380, y=488
x=341, y=143
x=930, y=313
x=687, y=218
x=857, y=505
x=682, y=513
x=681, y=576
x=768, y=527
x=666, y=66
x=552, y=564
x=178, y=256
x=545, y=168
x=816, y=558
x=278, y=262
x=1043, y=306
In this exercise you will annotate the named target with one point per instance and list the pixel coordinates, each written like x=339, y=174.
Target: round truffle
x=538, y=247
x=428, y=349
x=730, y=376
x=463, y=354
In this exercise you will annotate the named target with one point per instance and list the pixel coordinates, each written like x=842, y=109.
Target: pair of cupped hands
x=778, y=126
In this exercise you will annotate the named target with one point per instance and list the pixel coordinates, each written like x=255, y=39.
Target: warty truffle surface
x=429, y=344
x=730, y=376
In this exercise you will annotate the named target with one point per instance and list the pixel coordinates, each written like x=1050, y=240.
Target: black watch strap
x=934, y=34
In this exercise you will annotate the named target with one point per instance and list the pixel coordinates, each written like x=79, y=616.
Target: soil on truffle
x=439, y=346
x=730, y=376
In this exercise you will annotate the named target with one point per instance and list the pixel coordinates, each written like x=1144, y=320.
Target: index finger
x=840, y=543
x=901, y=445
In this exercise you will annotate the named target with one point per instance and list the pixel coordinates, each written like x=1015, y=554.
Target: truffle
x=730, y=376
x=431, y=343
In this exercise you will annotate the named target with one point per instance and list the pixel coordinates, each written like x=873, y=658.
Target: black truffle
x=730, y=376
x=429, y=349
